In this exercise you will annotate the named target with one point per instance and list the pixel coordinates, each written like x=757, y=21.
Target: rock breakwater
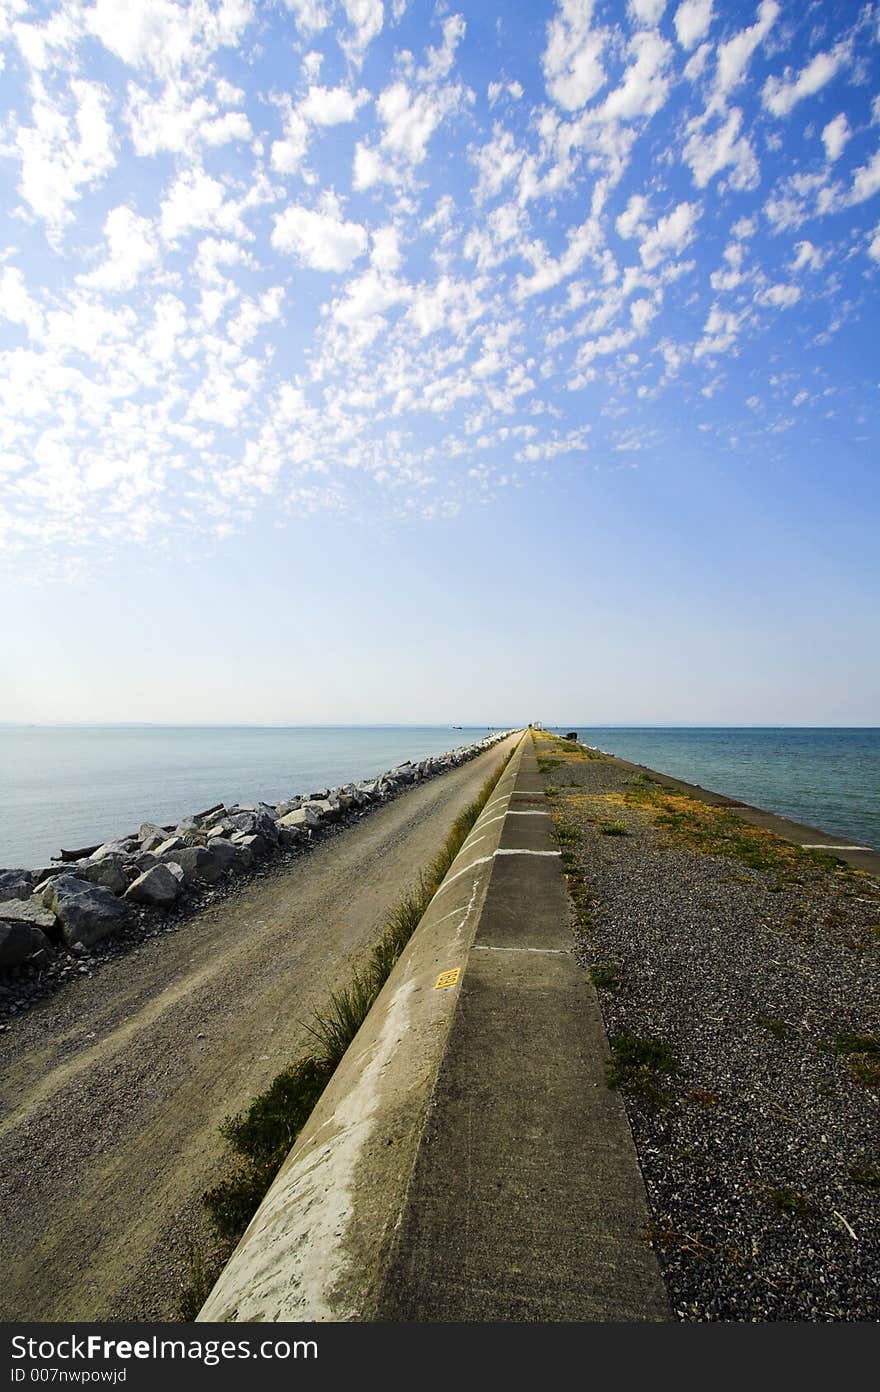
x=61, y=919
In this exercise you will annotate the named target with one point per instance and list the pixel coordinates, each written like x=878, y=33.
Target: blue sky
x=402, y=361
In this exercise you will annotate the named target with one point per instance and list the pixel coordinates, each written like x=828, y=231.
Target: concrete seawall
x=465, y=1161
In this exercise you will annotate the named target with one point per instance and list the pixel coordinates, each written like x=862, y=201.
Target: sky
x=400, y=361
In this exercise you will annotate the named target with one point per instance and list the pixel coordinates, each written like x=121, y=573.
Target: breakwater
x=91, y=894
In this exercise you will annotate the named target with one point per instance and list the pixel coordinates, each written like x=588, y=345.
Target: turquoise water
x=827, y=778
x=72, y=786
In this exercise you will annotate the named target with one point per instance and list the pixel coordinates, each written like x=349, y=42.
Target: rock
x=146, y=861
x=85, y=911
x=197, y=863
x=121, y=846
x=256, y=846
x=157, y=886
x=16, y=884
x=324, y=808
x=289, y=806
x=21, y=942
x=288, y=838
x=150, y=843
x=176, y=870
x=114, y=872
x=225, y=855
x=27, y=911
x=148, y=830
x=171, y=843
x=303, y=817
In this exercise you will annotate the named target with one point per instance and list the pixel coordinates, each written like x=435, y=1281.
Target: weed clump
x=642, y=1068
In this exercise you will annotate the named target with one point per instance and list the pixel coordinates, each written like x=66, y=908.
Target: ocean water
x=73, y=786
x=828, y=778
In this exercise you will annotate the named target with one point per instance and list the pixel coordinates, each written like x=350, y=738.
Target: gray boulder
x=256, y=846
x=171, y=843
x=225, y=855
x=147, y=830
x=302, y=817
x=176, y=870
x=85, y=911
x=16, y=884
x=121, y=846
x=150, y=843
x=114, y=872
x=197, y=863
x=21, y=942
x=27, y=911
x=288, y=838
x=157, y=886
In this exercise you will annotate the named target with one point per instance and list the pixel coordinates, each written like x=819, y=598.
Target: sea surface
x=827, y=778
x=73, y=786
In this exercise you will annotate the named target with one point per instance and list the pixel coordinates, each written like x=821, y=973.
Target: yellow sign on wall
x=447, y=978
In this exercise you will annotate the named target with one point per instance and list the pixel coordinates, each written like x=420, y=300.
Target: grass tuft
x=641, y=1067
x=612, y=828
x=863, y=1056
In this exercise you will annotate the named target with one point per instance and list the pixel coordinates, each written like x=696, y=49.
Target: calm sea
x=827, y=778
x=72, y=786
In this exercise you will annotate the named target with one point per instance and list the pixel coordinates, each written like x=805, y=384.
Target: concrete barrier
x=465, y=1161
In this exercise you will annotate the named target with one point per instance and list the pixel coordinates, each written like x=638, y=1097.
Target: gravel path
x=112, y=1089
x=762, y=1170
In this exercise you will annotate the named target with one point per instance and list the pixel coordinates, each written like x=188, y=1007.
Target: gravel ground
x=748, y=978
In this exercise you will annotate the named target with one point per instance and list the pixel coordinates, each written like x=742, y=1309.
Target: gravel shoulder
x=112, y=1089
x=763, y=1161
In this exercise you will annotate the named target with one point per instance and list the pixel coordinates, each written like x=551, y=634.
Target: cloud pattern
x=383, y=257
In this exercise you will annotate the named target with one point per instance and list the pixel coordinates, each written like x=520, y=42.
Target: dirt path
x=112, y=1091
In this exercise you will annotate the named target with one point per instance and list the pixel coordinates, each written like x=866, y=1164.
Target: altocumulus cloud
x=286, y=257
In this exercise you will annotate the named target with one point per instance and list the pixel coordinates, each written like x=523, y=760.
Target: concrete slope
x=466, y=1162
x=113, y=1090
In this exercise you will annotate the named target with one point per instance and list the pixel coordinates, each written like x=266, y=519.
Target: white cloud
x=708, y=153
x=670, y=235
x=61, y=154
x=647, y=12
x=835, y=136
x=323, y=240
x=572, y=64
x=164, y=36
x=780, y=296
x=366, y=18
x=719, y=333
x=866, y=180
x=874, y=244
x=310, y=15
x=781, y=97
x=807, y=257
x=131, y=250
x=633, y=217
x=692, y=20
x=410, y=116
x=16, y=304
x=178, y=119
x=646, y=81
x=194, y=200
x=735, y=55
x=331, y=106
x=287, y=154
